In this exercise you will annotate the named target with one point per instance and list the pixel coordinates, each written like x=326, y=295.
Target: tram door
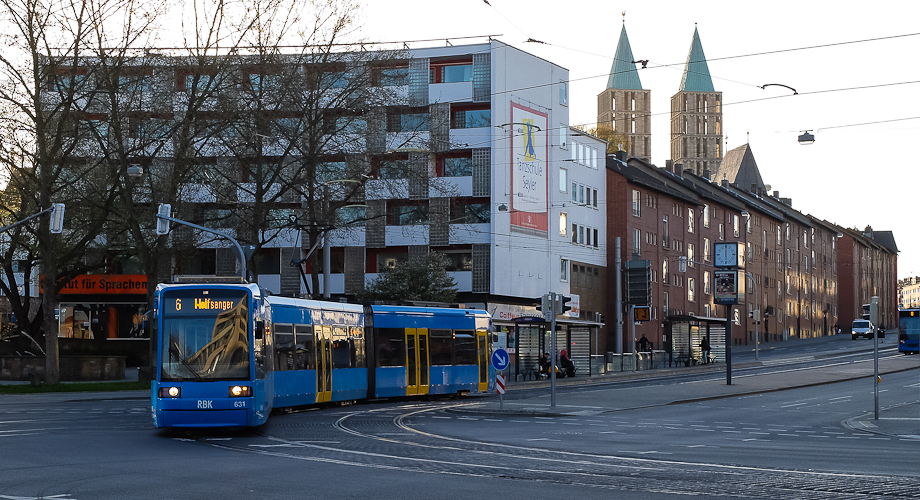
x=417, y=366
x=482, y=358
x=323, y=363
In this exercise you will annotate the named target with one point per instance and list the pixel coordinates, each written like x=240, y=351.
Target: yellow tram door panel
x=323, y=363
x=482, y=359
x=417, y=363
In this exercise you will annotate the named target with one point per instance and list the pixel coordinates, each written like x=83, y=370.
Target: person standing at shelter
x=544, y=365
x=705, y=347
x=644, y=344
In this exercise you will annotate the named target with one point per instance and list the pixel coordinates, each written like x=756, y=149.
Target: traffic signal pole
x=552, y=369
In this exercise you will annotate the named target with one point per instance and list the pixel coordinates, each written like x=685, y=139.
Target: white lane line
x=795, y=404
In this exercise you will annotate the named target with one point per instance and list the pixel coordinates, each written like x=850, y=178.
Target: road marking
x=795, y=404
x=543, y=439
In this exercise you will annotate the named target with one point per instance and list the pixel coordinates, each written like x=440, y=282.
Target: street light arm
x=212, y=231
x=23, y=221
x=764, y=86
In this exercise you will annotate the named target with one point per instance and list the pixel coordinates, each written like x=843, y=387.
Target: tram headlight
x=240, y=391
x=169, y=392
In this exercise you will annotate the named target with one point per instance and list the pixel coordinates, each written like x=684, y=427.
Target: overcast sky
x=853, y=65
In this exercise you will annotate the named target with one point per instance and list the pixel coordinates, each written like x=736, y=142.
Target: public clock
x=729, y=255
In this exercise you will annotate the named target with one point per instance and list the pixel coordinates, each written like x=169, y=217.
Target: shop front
x=105, y=314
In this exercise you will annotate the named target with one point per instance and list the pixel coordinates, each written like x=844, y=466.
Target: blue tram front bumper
x=202, y=404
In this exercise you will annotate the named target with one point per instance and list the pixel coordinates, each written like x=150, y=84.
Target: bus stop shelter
x=684, y=339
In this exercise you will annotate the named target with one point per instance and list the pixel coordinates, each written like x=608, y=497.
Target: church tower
x=696, y=116
x=624, y=106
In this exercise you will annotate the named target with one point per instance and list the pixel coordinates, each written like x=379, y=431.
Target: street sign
x=500, y=359
x=499, y=384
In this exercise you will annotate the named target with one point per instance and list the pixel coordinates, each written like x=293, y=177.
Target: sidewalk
x=902, y=421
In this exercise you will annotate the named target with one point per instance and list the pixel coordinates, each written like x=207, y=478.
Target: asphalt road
x=783, y=429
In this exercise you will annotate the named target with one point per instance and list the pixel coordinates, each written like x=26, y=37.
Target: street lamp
x=806, y=138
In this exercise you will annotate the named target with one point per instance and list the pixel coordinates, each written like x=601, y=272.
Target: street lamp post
x=756, y=315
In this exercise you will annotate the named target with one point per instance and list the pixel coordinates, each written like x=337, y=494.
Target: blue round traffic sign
x=500, y=359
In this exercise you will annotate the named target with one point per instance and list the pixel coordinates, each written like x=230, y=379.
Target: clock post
x=729, y=259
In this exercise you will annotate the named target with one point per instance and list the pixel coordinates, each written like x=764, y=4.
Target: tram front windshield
x=205, y=335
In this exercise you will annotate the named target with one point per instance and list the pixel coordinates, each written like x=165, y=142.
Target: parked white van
x=862, y=328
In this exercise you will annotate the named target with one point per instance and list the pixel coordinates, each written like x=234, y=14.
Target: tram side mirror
x=260, y=330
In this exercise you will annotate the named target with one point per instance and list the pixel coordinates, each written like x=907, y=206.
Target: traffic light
x=638, y=282
x=546, y=307
x=165, y=210
x=57, y=218
x=563, y=301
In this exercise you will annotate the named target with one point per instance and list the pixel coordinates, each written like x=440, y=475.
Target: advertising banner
x=529, y=176
x=726, y=287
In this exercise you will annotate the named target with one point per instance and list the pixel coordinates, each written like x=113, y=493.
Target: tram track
x=378, y=439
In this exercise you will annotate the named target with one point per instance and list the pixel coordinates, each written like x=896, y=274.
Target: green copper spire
x=623, y=74
x=696, y=73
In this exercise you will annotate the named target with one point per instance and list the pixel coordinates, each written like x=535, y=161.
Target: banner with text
x=529, y=176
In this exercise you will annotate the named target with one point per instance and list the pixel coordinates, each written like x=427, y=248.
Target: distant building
x=696, y=115
x=625, y=106
x=909, y=292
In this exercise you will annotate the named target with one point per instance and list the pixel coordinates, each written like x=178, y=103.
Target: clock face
x=726, y=254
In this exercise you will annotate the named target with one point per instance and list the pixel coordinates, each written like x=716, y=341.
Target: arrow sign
x=500, y=359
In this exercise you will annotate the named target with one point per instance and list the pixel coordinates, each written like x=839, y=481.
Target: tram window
x=341, y=357
x=284, y=347
x=391, y=347
x=356, y=345
x=464, y=347
x=440, y=343
x=304, y=355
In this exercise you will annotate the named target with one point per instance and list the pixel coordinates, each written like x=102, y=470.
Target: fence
x=632, y=361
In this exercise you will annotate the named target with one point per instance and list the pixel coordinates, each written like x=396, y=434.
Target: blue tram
x=229, y=353
x=909, y=331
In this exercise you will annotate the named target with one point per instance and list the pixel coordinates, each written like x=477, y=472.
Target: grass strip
x=75, y=387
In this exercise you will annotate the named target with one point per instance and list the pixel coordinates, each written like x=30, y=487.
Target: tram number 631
x=239, y=404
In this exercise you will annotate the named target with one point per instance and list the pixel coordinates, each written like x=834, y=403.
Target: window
x=707, y=256
x=471, y=118
x=458, y=166
x=595, y=238
x=458, y=260
x=595, y=198
x=691, y=289
x=470, y=212
x=408, y=122
x=705, y=215
x=563, y=223
x=691, y=221
x=690, y=254
x=563, y=136
x=581, y=235
x=564, y=93
x=636, y=200
x=563, y=179
x=664, y=232
x=451, y=72
x=581, y=194
x=706, y=283
x=391, y=76
x=409, y=214
x=736, y=225
x=393, y=169
x=588, y=236
x=637, y=247
x=563, y=269
x=721, y=231
x=574, y=233
x=664, y=271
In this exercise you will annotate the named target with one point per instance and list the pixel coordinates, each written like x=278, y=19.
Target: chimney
x=707, y=174
x=776, y=194
x=725, y=183
x=753, y=188
x=678, y=167
x=669, y=165
x=621, y=155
